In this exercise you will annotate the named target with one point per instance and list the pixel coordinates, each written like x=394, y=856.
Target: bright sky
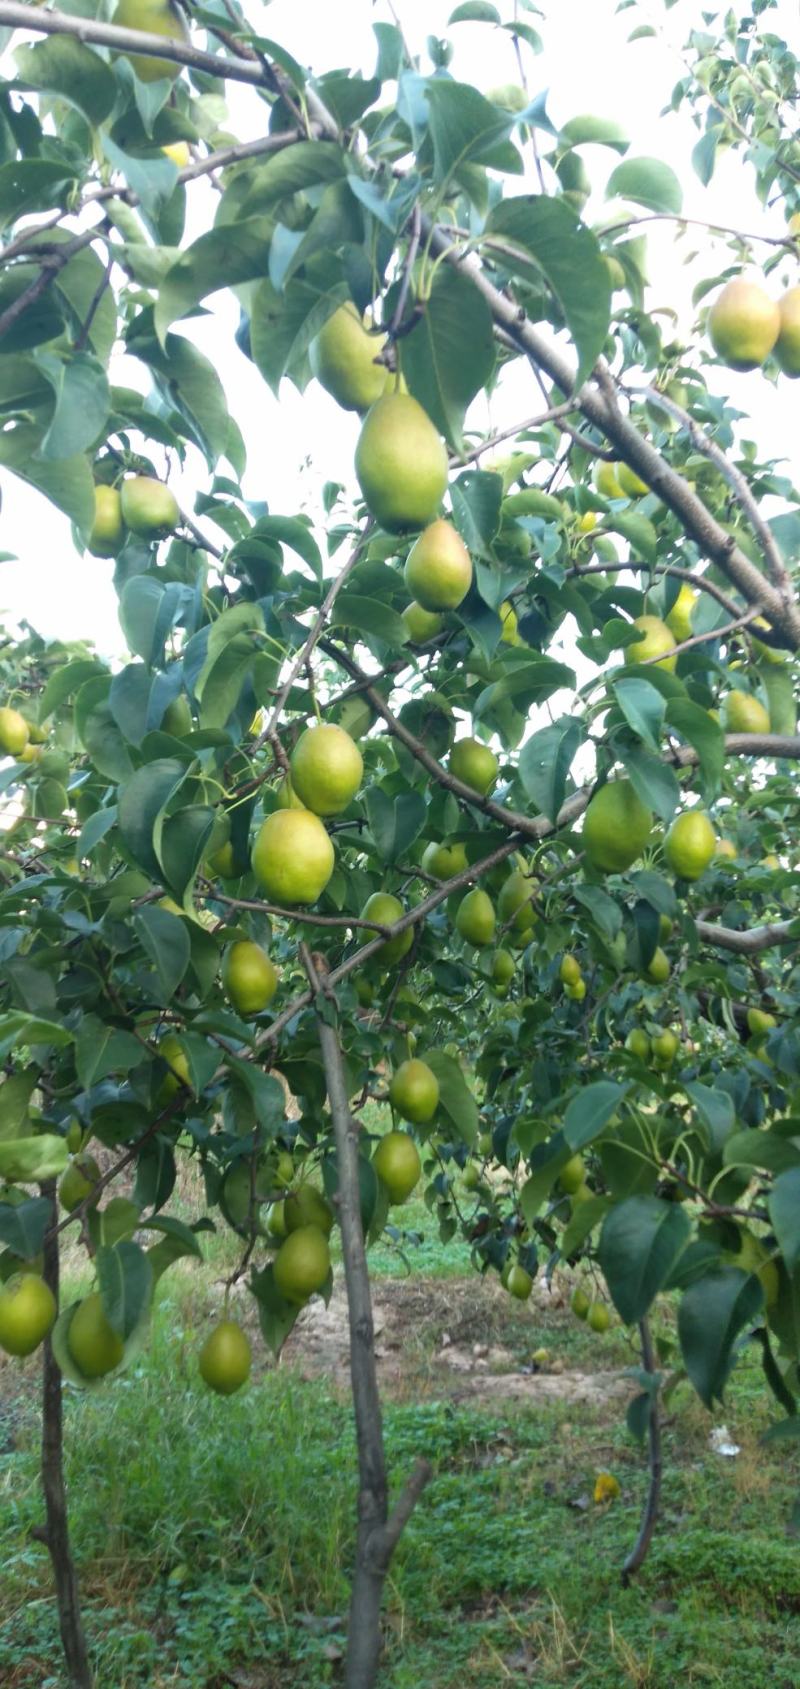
x=295, y=444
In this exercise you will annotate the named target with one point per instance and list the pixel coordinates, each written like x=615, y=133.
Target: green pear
x=342, y=358
x=475, y=920
x=156, y=17
x=401, y=463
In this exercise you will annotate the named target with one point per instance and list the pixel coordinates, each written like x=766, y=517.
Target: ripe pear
x=293, y=856
x=14, y=732
x=787, y=346
x=657, y=641
x=157, y=17
x=679, y=620
x=444, y=860
x=401, y=464
x=743, y=324
x=475, y=920
x=438, y=569
x=342, y=358
x=745, y=714
x=224, y=1360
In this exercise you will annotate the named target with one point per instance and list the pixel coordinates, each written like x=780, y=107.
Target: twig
x=93, y=306
x=50, y=265
x=298, y=914
x=16, y=15
x=413, y=248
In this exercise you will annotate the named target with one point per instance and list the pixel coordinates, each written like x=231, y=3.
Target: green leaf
x=337, y=223
x=585, y=1216
x=63, y=66
x=18, y=1027
x=229, y=658
x=653, y=780
x=569, y=256
x=715, y=1110
x=99, y=732
x=466, y=128
x=712, y=1312
x=178, y=1243
x=67, y=482
x=455, y=1096
x=637, y=530
x=125, y=1282
x=66, y=681
x=394, y=822
x=184, y=839
x=594, y=131
x=31, y=184
x=166, y=941
x=82, y=403
x=276, y=1316
x=699, y=729
x=475, y=11
x=761, y=1149
x=30, y=1160
x=190, y=384
x=142, y=801
x=450, y=355
x=784, y=1212
x=282, y=326
x=101, y=1049
x=639, y=1246
x=291, y=531
x=23, y=1225
x=476, y=496
x=545, y=761
x=117, y=1220
x=590, y=1111
x=303, y=165
x=152, y=179
x=604, y=912
x=224, y=257
x=646, y=181
x=370, y=616
x=643, y=708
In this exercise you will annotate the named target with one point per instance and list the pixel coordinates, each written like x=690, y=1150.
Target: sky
x=297, y=443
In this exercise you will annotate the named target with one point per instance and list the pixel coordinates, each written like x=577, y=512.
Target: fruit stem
x=56, y=1534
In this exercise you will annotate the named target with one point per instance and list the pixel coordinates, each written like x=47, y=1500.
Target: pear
x=342, y=358
x=743, y=324
x=156, y=17
x=401, y=464
x=787, y=348
x=438, y=569
x=475, y=919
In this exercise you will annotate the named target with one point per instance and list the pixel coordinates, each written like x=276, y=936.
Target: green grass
x=217, y=1535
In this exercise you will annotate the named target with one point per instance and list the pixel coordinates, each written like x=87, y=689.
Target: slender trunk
x=638, y=1554
x=378, y=1532
x=56, y=1533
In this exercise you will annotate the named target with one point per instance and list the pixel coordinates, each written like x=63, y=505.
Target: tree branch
x=629, y=444
x=751, y=942
x=16, y=15
x=377, y=1534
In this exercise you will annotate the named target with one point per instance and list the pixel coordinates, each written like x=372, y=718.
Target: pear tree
x=472, y=781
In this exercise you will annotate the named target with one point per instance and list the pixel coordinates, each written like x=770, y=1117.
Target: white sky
x=297, y=443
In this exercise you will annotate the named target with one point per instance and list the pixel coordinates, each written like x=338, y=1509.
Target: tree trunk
x=56, y=1533
x=377, y=1532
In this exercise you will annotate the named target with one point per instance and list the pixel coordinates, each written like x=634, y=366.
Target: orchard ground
x=214, y=1537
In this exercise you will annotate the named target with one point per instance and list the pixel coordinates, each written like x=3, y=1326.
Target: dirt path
x=453, y=1337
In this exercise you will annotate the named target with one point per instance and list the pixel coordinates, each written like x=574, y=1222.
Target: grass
x=214, y=1537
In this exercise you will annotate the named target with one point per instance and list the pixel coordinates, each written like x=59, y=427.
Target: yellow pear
x=342, y=358
x=632, y=484
x=745, y=714
x=438, y=569
x=293, y=856
x=679, y=620
x=787, y=346
x=157, y=17
x=656, y=641
x=616, y=827
x=401, y=464
x=178, y=153
x=743, y=324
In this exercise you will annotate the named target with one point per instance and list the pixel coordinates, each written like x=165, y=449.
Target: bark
x=56, y=1533
x=378, y=1531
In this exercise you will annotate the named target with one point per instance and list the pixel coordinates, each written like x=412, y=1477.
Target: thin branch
x=93, y=306
x=413, y=248
x=554, y=414
x=789, y=241
x=701, y=582
x=50, y=265
x=638, y=1553
x=743, y=494
x=314, y=633
x=298, y=914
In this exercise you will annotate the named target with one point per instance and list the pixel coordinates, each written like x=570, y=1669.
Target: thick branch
x=748, y=943
x=15, y=15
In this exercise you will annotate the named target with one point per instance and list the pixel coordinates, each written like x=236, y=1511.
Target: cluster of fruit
x=746, y=327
